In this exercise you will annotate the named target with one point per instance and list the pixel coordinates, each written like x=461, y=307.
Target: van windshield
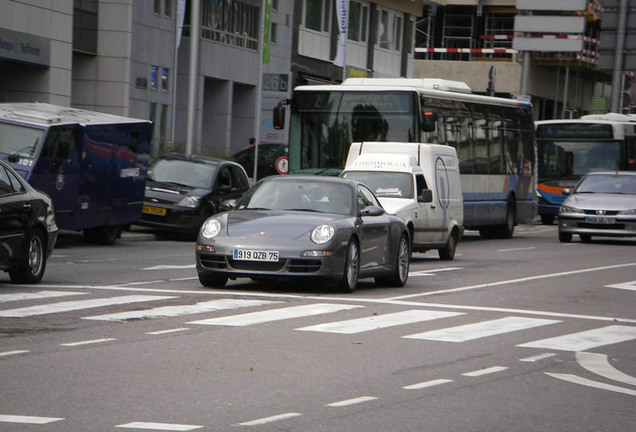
x=19, y=140
x=385, y=184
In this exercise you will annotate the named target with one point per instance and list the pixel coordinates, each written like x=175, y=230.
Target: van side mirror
x=425, y=196
x=279, y=114
x=428, y=121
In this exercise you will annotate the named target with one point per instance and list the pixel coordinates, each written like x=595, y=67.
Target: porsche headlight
x=322, y=234
x=190, y=202
x=211, y=228
x=568, y=209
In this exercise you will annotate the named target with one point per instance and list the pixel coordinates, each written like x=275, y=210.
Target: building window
x=318, y=15
x=157, y=7
x=272, y=33
x=389, y=30
x=154, y=72
x=397, y=32
x=167, y=8
x=275, y=5
x=164, y=79
x=231, y=22
x=358, y=22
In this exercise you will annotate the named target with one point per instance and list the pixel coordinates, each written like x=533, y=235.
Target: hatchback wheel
x=565, y=237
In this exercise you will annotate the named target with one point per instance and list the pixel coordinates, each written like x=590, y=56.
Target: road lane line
x=159, y=426
x=427, y=384
x=537, y=357
x=482, y=329
x=275, y=314
x=78, y=305
x=160, y=332
x=586, y=340
x=175, y=311
x=353, y=401
x=28, y=419
x=598, y=364
x=589, y=383
x=378, y=321
x=10, y=353
x=270, y=419
x=512, y=281
x=516, y=249
x=36, y=295
x=486, y=371
x=88, y=342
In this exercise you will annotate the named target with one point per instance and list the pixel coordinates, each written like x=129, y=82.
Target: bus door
x=58, y=173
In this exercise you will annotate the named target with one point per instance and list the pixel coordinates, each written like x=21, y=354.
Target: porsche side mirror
x=372, y=211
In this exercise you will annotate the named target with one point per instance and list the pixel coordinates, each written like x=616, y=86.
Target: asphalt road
x=525, y=334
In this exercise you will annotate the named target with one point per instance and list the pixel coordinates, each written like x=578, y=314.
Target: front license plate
x=154, y=210
x=600, y=219
x=255, y=255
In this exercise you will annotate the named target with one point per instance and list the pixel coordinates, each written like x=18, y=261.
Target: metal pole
x=617, y=87
x=565, y=91
x=195, y=34
x=259, y=86
x=173, y=119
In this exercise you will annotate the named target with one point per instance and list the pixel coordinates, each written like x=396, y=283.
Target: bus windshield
x=325, y=123
x=572, y=159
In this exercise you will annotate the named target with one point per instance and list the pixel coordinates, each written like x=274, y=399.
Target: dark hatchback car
x=273, y=159
x=27, y=228
x=183, y=191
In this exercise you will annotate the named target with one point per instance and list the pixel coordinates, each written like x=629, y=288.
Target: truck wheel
x=33, y=263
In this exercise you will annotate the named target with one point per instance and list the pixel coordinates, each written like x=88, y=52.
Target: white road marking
x=28, y=419
x=625, y=285
x=160, y=332
x=379, y=321
x=432, y=272
x=77, y=305
x=88, y=342
x=353, y=401
x=36, y=295
x=10, y=353
x=427, y=384
x=478, y=330
x=589, y=383
x=170, y=267
x=174, y=311
x=598, y=364
x=159, y=426
x=270, y=419
x=486, y=371
x=537, y=357
x=515, y=249
x=513, y=281
x=275, y=314
x=586, y=340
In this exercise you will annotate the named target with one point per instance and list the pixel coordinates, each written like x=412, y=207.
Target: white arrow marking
x=598, y=364
x=589, y=383
x=625, y=285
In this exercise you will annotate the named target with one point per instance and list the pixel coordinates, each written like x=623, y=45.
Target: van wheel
x=33, y=263
x=447, y=253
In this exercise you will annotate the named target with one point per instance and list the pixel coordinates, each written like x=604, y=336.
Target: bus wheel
x=508, y=228
x=547, y=219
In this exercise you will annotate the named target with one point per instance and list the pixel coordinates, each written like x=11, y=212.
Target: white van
x=417, y=182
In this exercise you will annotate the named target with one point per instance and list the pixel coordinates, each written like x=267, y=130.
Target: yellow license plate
x=154, y=210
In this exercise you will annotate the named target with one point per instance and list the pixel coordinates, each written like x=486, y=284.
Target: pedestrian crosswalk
x=334, y=317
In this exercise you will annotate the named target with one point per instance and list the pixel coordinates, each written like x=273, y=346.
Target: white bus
x=568, y=149
x=494, y=138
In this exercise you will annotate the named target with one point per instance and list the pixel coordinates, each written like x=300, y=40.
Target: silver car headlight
x=322, y=234
x=568, y=209
x=190, y=202
x=631, y=212
x=210, y=228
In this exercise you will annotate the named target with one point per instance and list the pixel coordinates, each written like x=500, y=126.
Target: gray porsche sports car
x=305, y=227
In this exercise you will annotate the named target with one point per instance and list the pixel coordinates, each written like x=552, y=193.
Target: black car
x=182, y=191
x=273, y=159
x=27, y=228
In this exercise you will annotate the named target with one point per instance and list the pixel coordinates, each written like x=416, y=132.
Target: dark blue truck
x=93, y=165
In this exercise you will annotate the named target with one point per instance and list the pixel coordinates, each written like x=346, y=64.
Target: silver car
x=601, y=204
